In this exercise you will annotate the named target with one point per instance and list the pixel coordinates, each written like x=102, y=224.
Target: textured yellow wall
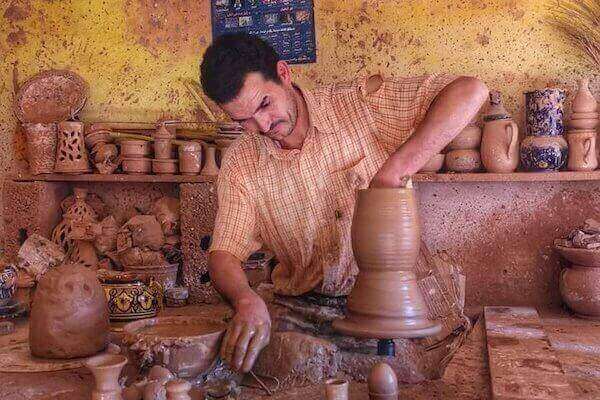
x=134, y=52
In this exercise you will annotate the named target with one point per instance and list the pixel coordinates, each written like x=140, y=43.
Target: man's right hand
x=248, y=333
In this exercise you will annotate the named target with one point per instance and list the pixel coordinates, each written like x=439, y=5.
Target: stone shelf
x=562, y=176
x=111, y=178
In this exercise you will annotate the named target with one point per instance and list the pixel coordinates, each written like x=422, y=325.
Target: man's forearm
x=454, y=107
x=228, y=277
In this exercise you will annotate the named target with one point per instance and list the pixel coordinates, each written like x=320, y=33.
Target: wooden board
x=521, y=360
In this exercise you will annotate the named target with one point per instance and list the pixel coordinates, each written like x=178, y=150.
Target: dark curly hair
x=229, y=59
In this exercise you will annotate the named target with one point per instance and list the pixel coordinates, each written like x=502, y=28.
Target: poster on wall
x=288, y=25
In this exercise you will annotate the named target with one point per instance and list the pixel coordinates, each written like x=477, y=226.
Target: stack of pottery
x=102, y=150
x=582, y=130
x=544, y=148
x=463, y=152
x=134, y=154
x=499, y=144
x=164, y=162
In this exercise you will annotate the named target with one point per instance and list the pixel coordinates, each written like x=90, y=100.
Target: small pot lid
x=51, y=96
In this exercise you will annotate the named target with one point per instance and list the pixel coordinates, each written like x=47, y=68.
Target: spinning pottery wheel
x=386, y=302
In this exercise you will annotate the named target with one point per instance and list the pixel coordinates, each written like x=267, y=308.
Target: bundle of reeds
x=579, y=20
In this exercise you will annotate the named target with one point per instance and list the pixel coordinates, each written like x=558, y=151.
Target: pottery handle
x=510, y=129
x=588, y=147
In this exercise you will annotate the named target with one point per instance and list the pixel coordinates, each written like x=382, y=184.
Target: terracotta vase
x=41, y=147
x=469, y=138
x=69, y=316
x=584, y=101
x=500, y=146
x=106, y=369
x=164, y=166
x=163, y=148
x=382, y=383
x=386, y=301
x=543, y=153
x=463, y=161
x=336, y=389
x=135, y=166
x=178, y=389
x=210, y=166
x=545, y=112
x=433, y=165
x=134, y=148
x=582, y=151
x=190, y=158
x=580, y=290
x=71, y=154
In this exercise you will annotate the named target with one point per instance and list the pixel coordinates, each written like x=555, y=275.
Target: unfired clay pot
x=69, y=316
x=336, y=389
x=582, y=151
x=590, y=257
x=71, y=153
x=386, y=301
x=580, y=290
x=434, y=164
x=164, y=166
x=137, y=165
x=163, y=148
x=469, y=138
x=500, y=146
x=41, y=146
x=463, y=160
x=190, y=158
x=382, y=383
x=133, y=148
x=584, y=100
x=210, y=166
x=106, y=369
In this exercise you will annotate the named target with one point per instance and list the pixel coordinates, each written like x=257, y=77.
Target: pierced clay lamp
x=386, y=301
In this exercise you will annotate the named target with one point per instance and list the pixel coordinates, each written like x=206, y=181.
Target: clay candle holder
x=71, y=154
x=41, y=147
x=386, y=301
x=106, y=369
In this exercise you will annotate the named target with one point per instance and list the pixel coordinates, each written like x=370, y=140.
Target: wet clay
x=382, y=383
x=106, y=369
x=69, y=317
x=386, y=301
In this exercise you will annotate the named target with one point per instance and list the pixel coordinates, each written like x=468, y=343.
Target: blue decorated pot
x=8, y=283
x=543, y=153
x=545, y=112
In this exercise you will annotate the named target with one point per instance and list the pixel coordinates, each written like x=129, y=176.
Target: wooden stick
x=121, y=135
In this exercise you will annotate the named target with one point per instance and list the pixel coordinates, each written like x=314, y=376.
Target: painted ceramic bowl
x=165, y=275
x=545, y=112
x=580, y=290
x=543, y=153
x=130, y=300
x=8, y=284
x=578, y=256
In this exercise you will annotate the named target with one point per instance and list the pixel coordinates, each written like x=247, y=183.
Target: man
x=289, y=182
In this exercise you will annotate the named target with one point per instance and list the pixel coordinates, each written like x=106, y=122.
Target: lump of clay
x=69, y=315
x=166, y=211
x=141, y=231
x=585, y=237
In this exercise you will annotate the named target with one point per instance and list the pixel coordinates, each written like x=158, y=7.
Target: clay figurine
x=69, y=316
x=106, y=369
x=500, y=142
x=383, y=383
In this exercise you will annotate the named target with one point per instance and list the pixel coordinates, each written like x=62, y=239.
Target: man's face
x=265, y=107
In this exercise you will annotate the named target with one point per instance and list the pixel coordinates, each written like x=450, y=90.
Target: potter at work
x=290, y=182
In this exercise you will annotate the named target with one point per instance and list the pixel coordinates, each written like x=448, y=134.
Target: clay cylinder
x=41, y=147
x=386, y=301
x=190, y=158
x=163, y=149
x=69, y=316
x=133, y=148
x=382, y=383
x=106, y=369
x=71, y=153
x=582, y=151
x=580, y=290
x=210, y=166
x=336, y=389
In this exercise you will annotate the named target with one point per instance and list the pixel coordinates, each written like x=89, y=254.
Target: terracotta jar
x=210, y=165
x=463, y=161
x=469, y=138
x=434, y=164
x=164, y=166
x=190, y=158
x=580, y=290
x=106, y=369
x=71, y=153
x=582, y=150
x=134, y=148
x=584, y=101
x=41, y=147
x=386, y=302
x=543, y=153
x=69, y=316
x=545, y=112
x=136, y=165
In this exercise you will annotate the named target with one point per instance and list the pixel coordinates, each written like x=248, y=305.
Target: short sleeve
x=235, y=226
x=400, y=104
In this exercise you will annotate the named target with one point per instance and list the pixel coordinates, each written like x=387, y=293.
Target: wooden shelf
x=112, y=178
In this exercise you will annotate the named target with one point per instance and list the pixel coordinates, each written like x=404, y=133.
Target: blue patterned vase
x=543, y=153
x=545, y=112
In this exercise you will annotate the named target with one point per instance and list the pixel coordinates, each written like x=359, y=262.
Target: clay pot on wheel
x=386, y=301
x=580, y=290
x=434, y=164
x=463, y=161
x=543, y=153
x=582, y=151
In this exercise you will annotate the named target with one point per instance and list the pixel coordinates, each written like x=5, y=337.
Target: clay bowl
x=579, y=256
x=165, y=275
x=469, y=138
x=434, y=164
x=463, y=161
x=187, y=346
x=580, y=290
x=584, y=115
x=165, y=166
x=136, y=165
x=133, y=148
x=587, y=123
x=128, y=301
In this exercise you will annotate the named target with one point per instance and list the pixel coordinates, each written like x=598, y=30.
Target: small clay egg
x=155, y=390
x=159, y=373
x=132, y=393
x=382, y=380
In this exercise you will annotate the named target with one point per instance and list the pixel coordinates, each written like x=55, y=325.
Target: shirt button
x=338, y=214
